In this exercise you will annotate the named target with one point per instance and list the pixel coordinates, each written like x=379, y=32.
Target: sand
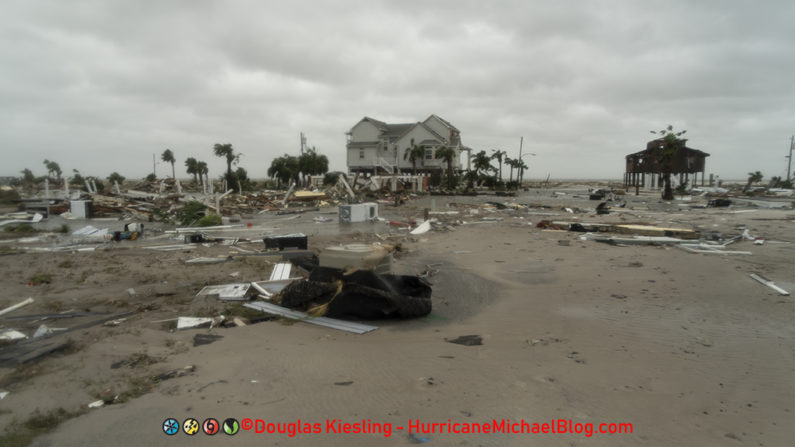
x=684, y=347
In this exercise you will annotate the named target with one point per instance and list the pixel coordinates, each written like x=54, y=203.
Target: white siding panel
x=364, y=131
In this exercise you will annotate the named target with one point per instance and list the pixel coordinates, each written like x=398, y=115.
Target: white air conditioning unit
x=359, y=212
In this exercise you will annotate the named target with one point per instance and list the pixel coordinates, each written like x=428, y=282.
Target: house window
x=429, y=154
x=386, y=146
x=361, y=154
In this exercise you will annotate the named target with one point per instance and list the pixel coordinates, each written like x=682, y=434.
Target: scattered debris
x=205, y=339
x=466, y=340
x=422, y=228
x=206, y=260
x=281, y=271
x=358, y=256
x=762, y=280
x=297, y=241
x=348, y=326
x=267, y=289
x=417, y=439
x=14, y=307
x=11, y=335
x=193, y=322
x=359, y=294
x=227, y=292
x=174, y=373
x=43, y=331
x=710, y=249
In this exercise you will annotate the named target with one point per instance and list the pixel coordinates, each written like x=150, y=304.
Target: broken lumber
x=762, y=280
x=16, y=306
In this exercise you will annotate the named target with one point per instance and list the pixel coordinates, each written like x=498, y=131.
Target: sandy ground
x=685, y=347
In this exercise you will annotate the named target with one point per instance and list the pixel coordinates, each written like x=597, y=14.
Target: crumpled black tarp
x=364, y=294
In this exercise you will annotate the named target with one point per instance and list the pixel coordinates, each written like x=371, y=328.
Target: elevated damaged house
x=686, y=161
x=376, y=147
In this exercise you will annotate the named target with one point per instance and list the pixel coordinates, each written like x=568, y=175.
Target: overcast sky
x=100, y=86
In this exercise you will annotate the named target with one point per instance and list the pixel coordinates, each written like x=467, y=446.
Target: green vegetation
x=115, y=176
x=210, y=220
x=331, y=178
x=136, y=387
x=22, y=434
x=40, y=278
x=168, y=157
x=21, y=229
x=284, y=169
x=447, y=155
x=192, y=167
x=753, y=177
x=53, y=168
x=288, y=167
x=77, y=179
x=681, y=189
x=190, y=213
x=670, y=143
x=413, y=154
x=227, y=152
x=8, y=196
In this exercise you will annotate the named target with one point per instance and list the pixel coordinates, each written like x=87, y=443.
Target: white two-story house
x=377, y=147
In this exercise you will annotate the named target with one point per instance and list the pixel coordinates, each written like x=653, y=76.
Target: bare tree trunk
x=668, y=193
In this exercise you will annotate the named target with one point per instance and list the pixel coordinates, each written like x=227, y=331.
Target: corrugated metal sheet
x=348, y=326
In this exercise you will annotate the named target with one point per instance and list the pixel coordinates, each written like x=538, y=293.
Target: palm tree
x=521, y=166
x=201, y=169
x=482, y=162
x=27, y=176
x=513, y=164
x=497, y=155
x=168, y=157
x=448, y=155
x=670, y=143
x=753, y=177
x=192, y=167
x=413, y=154
x=52, y=167
x=471, y=177
x=226, y=151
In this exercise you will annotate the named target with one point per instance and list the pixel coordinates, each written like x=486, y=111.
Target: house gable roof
x=380, y=125
x=441, y=120
x=436, y=136
x=653, y=146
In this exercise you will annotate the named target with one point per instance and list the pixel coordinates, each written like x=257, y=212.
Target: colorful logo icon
x=231, y=426
x=210, y=426
x=171, y=426
x=190, y=426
